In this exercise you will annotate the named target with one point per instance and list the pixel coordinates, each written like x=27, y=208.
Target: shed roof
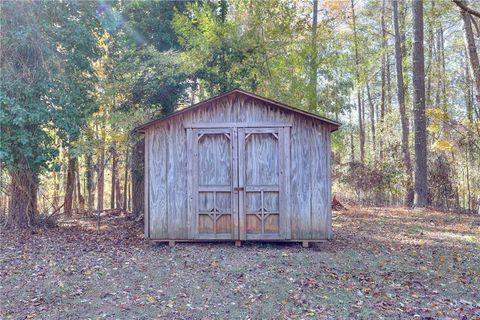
x=204, y=103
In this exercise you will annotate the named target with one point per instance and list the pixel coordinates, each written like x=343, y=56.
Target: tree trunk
x=56, y=190
x=70, y=185
x=361, y=131
x=372, y=119
x=100, y=178
x=352, y=146
x=403, y=40
x=313, y=61
x=23, y=199
x=125, y=184
x=118, y=192
x=472, y=50
x=420, y=199
x=74, y=194
x=443, y=66
x=383, y=63
x=89, y=181
x=468, y=89
x=362, y=98
x=478, y=204
x=469, y=194
x=429, y=64
x=114, y=176
x=118, y=198
x=408, y=201
x=129, y=198
x=383, y=76
x=138, y=175
x=81, y=199
x=469, y=109
x=388, y=89
x=438, y=72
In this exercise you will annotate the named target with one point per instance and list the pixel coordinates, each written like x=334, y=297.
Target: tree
x=46, y=89
x=401, y=104
x=357, y=79
x=89, y=172
x=115, y=188
x=466, y=13
x=70, y=183
x=418, y=75
x=220, y=57
x=383, y=76
x=101, y=171
x=372, y=119
x=313, y=61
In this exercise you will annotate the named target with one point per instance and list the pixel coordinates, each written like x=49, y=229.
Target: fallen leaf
x=151, y=299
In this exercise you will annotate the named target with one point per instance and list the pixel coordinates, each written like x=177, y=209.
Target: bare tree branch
x=466, y=8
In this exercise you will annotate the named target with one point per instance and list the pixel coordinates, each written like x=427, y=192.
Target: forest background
x=78, y=76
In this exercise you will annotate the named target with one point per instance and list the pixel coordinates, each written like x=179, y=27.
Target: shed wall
x=166, y=167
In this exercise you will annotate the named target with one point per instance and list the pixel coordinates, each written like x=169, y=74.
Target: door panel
x=261, y=159
x=261, y=174
x=214, y=159
x=214, y=167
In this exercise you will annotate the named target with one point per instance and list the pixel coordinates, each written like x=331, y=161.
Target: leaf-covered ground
x=383, y=263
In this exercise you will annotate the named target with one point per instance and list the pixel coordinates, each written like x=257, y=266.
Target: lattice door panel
x=215, y=172
x=262, y=177
x=262, y=215
x=215, y=212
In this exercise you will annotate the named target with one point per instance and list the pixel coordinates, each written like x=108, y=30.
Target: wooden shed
x=238, y=166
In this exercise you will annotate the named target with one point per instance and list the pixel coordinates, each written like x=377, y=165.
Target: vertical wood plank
x=301, y=173
x=282, y=183
x=178, y=216
x=241, y=183
x=235, y=208
x=329, y=231
x=171, y=178
x=146, y=189
x=195, y=183
x=286, y=182
x=294, y=181
x=158, y=184
x=190, y=207
x=318, y=181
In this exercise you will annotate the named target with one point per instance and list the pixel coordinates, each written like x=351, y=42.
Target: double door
x=238, y=182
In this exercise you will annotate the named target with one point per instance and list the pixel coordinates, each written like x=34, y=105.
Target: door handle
x=239, y=189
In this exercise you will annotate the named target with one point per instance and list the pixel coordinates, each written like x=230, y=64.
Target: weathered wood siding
x=167, y=204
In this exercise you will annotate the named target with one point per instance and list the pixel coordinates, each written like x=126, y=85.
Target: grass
x=384, y=263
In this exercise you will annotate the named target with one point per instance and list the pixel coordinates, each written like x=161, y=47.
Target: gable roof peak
x=200, y=104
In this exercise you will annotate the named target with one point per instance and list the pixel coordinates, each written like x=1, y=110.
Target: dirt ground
x=383, y=263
